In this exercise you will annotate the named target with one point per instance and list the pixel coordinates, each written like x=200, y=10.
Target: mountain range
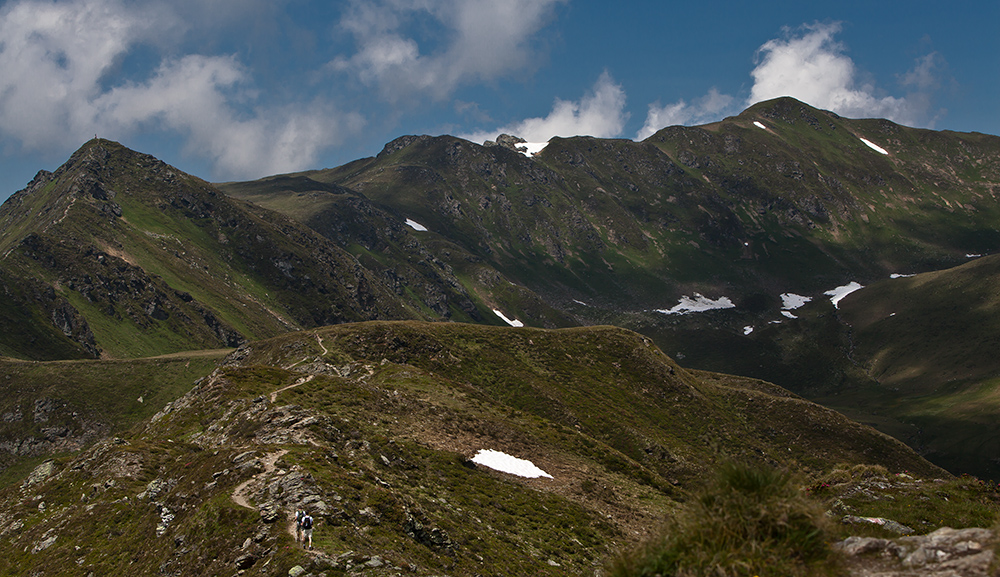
x=446, y=296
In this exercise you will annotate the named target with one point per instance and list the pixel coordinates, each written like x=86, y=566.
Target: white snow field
x=500, y=461
x=792, y=301
x=875, y=147
x=513, y=323
x=415, y=225
x=533, y=147
x=842, y=291
x=697, y=304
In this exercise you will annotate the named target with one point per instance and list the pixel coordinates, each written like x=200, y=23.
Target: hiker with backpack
x=299, y=514
x=307, y=530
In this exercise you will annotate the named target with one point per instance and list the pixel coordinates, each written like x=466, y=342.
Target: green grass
x=750, y=521
x=923, y=505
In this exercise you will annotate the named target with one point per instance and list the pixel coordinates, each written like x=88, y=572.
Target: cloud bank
x=600, y=112
x=482, y=40
x=708, y=108
x=60, y=83
x=809, y=64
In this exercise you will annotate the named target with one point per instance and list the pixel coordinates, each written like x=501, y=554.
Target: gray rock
x=155, y=487
x=40, y=473
x=270, y=512
x=511, y=142
x=297, y=571
x=44, y=544
x=245, y=561
x=887, y=524
x=944, y=553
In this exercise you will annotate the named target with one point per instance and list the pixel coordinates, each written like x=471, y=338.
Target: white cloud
x=813, y=67
x=810, y=65
x=708, y=108
x=482, y=40
x=601, y=113
x=194, y=96
x=60, y=84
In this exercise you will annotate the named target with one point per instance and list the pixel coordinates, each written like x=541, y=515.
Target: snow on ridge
x=415, y=225
x=973, y=255
x=842, y=291
x=759, y=125
x=513, y=323
x=503, y=462
x=533, y=148
x=899, y=275
x=875, y=147
x=697, y=304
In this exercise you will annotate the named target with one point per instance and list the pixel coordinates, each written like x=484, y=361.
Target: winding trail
x=301, y=381
x=241, y=490
x=319, y=339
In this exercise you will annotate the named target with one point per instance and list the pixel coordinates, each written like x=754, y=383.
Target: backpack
x=307, y=522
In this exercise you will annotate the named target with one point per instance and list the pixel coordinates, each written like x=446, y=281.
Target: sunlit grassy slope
x=379, y=420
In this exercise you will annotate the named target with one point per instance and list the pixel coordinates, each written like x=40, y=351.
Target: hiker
x=299, y=514
x=307, y=530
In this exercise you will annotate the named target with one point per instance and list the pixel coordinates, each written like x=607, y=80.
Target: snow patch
x=415, y=225
x=875, y=147
x=513, y=323
x=789, y=314
x=503, y=462
x=747, y=330
x=533, y=148
x=973, y=255
x=759, y=125
x=792, y=301
x=697, y=304
x=897, y=275
x=842, y=291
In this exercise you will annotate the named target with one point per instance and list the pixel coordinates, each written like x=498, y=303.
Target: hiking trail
x=300, y=381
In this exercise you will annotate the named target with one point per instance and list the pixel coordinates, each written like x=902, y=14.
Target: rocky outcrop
x=508, y=141
x=946, y=552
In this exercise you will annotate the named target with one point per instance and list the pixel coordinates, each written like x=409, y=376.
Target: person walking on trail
x=299, y=514
x=307, y=530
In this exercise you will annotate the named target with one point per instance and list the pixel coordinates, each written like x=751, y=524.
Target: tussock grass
x=750, y=521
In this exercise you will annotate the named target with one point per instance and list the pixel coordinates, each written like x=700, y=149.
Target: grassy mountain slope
x=372, y=426
x=117, y=254
x=930, y=341
x=447, y=280
x=129, y=257
x=783, y=198
x=60, y=407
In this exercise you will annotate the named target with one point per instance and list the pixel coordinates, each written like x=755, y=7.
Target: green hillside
x=782, y=199
x=117, y=255
x=373, y=428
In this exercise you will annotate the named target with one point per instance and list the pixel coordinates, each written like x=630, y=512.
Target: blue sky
x=238, y=89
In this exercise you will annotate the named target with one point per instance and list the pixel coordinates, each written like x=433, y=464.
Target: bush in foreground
x=750, y=521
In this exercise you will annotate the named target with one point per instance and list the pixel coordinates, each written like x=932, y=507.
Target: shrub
x=750, y=521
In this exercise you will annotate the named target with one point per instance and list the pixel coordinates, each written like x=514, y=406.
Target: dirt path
x=242, y=490
x=319, y=339
x=301, y=381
